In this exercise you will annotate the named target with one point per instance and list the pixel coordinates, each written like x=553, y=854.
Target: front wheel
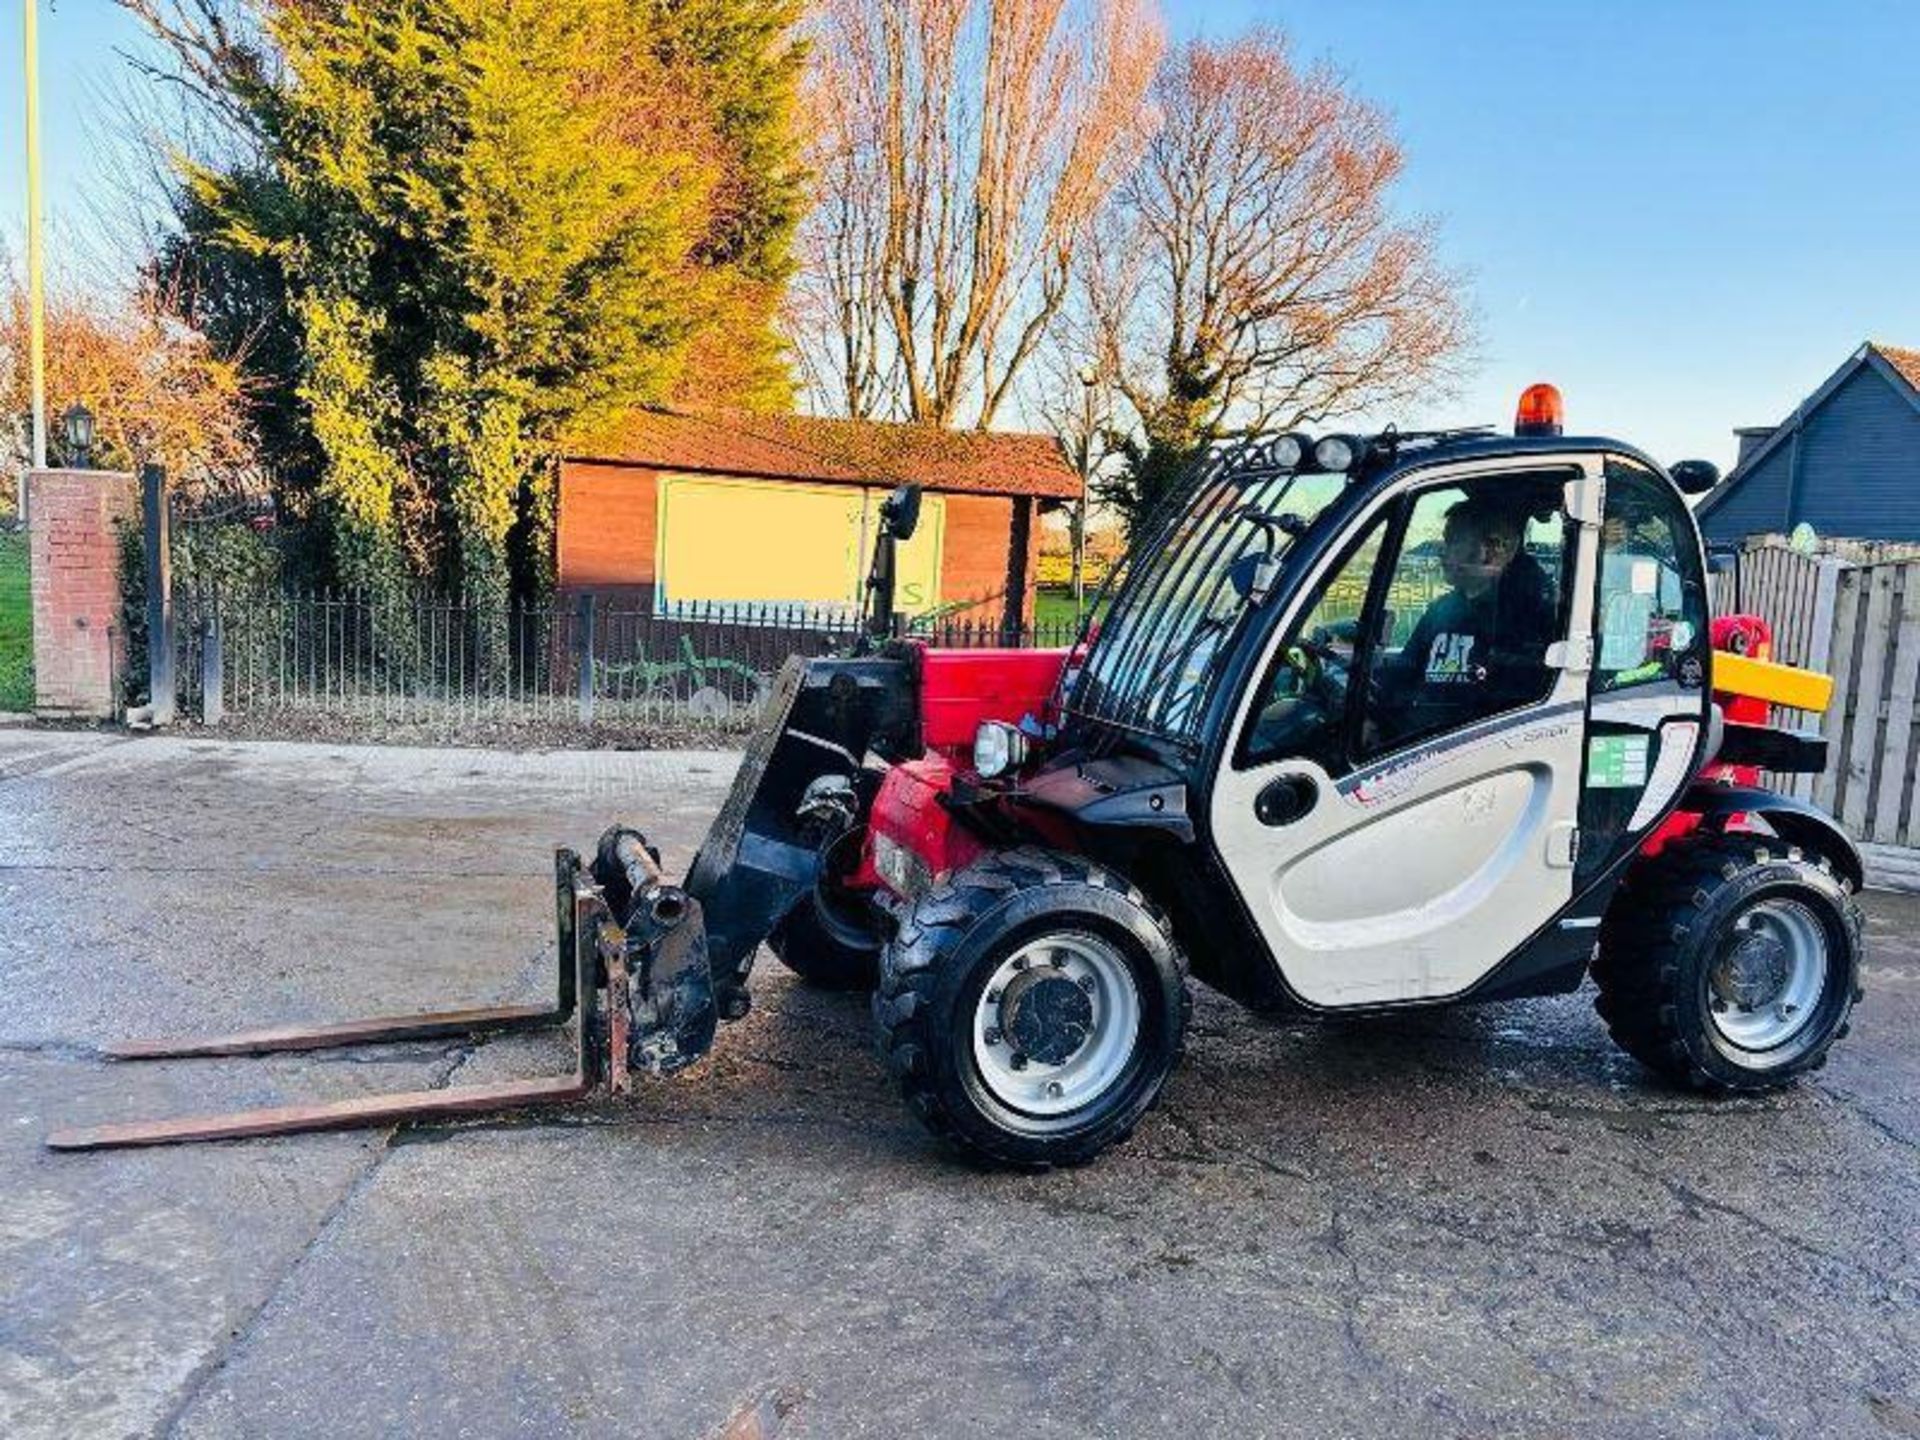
x=1031, y=1008
x=1730, y=964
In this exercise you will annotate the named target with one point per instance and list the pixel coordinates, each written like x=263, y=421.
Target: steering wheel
x=1321, y=667
x=1322, y=675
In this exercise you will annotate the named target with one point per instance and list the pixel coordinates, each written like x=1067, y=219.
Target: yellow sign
x=774, y=542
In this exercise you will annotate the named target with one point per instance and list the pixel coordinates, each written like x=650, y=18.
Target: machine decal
x=1617, y=762
x=1402, y=773
x=1672, y=769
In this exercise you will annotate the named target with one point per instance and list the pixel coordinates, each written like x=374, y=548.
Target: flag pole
x=36, y=253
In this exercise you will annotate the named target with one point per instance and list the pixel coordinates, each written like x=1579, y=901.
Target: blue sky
x=1684, y=214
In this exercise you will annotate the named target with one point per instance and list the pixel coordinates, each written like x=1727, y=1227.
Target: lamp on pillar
x=76, y=428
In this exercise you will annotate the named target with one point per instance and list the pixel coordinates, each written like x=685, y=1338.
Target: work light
x=1289, y=450
x=1336, y=453
x=997, y=748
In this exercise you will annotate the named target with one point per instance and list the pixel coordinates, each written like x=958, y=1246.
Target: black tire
x=1672, y=921
x=947, y=948
x=829, y=941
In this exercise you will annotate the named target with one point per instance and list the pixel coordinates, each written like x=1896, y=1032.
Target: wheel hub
x=1754, y=971
x=1764, y=989
x=1046, y=1016
x=1055, y=1025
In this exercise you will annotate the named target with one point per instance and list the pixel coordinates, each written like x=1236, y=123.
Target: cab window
x=1652, y=617
x=1476, y=596
x=1444, y=610
x=1302, y=709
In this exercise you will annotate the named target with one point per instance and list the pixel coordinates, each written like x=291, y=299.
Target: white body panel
x=1413, y=877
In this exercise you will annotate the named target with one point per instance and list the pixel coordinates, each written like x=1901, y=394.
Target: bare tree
x=963, y=148
x=1249, y=275
x=217, y=57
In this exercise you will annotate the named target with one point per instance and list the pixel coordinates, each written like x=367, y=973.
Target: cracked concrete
x=1463, y=1223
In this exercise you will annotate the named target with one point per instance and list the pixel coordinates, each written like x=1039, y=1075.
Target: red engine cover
x=908, y=828
x=960, y=688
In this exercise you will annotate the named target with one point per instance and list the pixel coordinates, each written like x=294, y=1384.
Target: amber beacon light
x=1541, y=411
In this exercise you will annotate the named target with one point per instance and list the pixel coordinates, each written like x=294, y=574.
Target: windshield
x=1161, y=647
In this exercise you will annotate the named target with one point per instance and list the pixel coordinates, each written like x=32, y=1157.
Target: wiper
x=1275, y=523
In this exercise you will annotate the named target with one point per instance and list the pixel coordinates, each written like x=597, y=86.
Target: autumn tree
x=1250, y=274
x=157, y=391
x=465, y=230
x=962, y=148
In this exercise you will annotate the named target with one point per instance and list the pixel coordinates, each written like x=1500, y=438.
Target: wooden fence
x=1852, y=611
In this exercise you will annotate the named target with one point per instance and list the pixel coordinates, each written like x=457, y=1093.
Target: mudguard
x=1794, y=821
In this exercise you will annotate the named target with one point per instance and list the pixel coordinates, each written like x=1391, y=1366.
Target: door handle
x=1285, y=800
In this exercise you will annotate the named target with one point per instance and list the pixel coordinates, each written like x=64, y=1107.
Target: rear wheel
x=1730, y=964
x=1031, y=1008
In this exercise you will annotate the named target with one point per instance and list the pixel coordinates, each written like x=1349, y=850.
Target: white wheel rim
x=1764, y=987
x=1036, y=1086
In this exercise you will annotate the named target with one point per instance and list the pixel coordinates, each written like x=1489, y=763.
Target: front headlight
x=997, y=748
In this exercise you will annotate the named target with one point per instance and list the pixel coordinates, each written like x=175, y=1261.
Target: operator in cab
x=1480, y=648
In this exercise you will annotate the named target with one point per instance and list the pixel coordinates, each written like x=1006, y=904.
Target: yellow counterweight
x=1785, y=685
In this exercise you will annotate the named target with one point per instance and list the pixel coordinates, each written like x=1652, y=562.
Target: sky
x=1684, y=214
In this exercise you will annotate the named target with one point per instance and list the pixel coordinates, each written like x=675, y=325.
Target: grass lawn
x=1053, y=609
x=16, y=625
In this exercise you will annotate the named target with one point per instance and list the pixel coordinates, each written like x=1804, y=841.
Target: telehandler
x=1367, y=723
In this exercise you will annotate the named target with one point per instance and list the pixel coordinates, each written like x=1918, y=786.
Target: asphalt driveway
x=1475, y=1223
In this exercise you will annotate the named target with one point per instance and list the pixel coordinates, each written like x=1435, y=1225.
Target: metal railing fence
x=578, y=659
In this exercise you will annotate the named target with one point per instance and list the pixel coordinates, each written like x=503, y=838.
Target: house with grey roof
x=1846, y=462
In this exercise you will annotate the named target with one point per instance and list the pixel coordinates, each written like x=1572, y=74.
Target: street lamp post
x=36, y=259
x=1077, y=518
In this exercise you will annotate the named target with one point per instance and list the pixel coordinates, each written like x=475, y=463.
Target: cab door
x=1398, y=808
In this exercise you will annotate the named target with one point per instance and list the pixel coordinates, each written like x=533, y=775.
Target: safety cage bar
x=1165, y=639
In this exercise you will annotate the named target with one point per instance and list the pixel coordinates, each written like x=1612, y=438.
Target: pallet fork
x=639, y=993
x=641, y=975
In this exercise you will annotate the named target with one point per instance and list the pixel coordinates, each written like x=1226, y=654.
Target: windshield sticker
x=1617, y=762
x=1626, y=623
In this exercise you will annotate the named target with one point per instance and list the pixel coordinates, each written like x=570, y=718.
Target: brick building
x=686, y=510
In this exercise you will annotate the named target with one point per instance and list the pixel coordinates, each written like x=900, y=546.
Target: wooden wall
x=1861, y=625
x=605, y=538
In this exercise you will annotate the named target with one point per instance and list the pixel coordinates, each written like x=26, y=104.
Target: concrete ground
x=1472, y=1223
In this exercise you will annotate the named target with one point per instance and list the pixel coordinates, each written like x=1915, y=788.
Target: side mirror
x=1695, y=477
x=900, y=512
x=1252, y=576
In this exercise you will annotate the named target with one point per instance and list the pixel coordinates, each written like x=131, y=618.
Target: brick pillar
x=74, y=553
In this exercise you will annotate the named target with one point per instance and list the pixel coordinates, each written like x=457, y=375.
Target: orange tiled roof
x=850, y=452
x=1907, y=362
